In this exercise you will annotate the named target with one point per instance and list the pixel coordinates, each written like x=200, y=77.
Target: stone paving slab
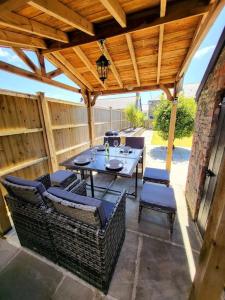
x=164, y=272
x=71, y=289
x=27, y=277
x=7, y=252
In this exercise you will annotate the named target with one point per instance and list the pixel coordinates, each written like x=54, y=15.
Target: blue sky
x=194, y=73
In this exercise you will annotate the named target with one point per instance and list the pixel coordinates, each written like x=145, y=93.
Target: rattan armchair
x=88, y=248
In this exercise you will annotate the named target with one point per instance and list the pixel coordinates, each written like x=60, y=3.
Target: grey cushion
x=93, y=204
x=21, y=192
x=157, y=174
x=159, y=196
x=62, y=178
x=25, y=182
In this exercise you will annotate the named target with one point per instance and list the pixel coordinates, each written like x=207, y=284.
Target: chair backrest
x=82, y=208
x=23, y=189
x=135, y=142
x=111, y=140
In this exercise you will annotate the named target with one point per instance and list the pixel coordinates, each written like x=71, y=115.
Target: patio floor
x=150, y=265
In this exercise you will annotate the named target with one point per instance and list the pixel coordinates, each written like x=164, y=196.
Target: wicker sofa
x=80, y=233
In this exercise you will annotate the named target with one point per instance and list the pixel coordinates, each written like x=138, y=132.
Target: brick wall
x=205, y=129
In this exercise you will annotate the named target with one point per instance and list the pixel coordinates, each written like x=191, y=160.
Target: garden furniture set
x=54, y=217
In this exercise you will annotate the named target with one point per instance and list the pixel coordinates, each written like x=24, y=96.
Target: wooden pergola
x=148, y=43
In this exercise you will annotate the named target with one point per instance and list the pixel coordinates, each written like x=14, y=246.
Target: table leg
x=82, y=174
x=92, y=185
x=136, y=181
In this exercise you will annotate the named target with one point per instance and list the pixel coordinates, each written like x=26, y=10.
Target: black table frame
x=68, y=165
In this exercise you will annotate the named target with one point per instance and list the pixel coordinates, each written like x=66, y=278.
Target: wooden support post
x=169, y=154
x=90, y=111
x=5, y=224
x=209, y=278
x=110, y=117
x=50, y=142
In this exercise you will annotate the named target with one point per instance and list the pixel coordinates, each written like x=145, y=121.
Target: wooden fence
x=37, y=133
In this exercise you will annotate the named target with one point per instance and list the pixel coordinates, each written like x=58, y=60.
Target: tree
x=186, y=109
x=134, y=115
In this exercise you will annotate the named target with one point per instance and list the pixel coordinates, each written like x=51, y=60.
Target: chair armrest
x=45, y=180
x=118, y=215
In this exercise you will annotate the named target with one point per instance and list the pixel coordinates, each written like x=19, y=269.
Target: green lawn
x=184, y=142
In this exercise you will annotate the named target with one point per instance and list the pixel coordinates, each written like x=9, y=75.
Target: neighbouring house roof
x=116, y=103
x=219, y=47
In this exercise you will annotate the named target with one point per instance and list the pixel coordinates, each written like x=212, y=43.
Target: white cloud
x=203, y=51
x=3, y=53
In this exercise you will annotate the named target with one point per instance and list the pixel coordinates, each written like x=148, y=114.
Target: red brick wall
x=205, y=129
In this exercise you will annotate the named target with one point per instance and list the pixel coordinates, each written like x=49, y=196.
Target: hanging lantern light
x=102, y=64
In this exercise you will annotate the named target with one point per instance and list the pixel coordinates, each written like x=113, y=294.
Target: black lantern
x=102, y=64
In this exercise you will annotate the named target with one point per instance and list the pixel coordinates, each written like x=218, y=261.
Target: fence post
x=5, y=224
x=171, y=134
x=110, y=117
x=47, y=130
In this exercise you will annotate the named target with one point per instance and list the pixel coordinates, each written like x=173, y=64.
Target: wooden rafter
x=133, y=57
x=88, y=64
x=146, y=18
x=201, y=33
x=64, y=14
x=15, y=21
x=112, y=66
x=57, y=63
x=30, y=75
x=54, y=73
x=41, y=61
x=14, y=39
x=115, y=10
x=161, y=35
x=20, y=53
x=83, y=82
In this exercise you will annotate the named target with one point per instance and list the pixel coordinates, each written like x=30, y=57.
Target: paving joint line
x=11, y=259
x=161, y=240
x=137, y=268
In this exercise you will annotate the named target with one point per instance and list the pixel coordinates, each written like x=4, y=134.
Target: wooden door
x=217, y=153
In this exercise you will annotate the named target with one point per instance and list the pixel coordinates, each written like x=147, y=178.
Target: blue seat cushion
x=157, y=174
x=25, y=182
x=158, y=196
x=79, y=199
x=108, y=208
x=62, y=178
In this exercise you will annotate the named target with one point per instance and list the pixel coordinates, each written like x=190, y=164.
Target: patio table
x=130, y=162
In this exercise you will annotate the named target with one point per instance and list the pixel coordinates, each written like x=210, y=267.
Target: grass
x=184, y=142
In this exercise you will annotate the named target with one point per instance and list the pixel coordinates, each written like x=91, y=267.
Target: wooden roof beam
x=88, y=64
x=133, y=57
x=30, y=75
x=201, y=32
x=58, y=64
x=136, y=89
x=41, y=61
x=64, y=14
x=161, y=35
x=112, y=66
x=116, y=11
x=15, y=21
x=147, y=18
x=83, y=83
x=20, y=53
x=17, y=39
x=54, y=73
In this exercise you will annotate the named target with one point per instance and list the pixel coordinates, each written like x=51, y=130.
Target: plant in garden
x=186, y=109
x=134, y=115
